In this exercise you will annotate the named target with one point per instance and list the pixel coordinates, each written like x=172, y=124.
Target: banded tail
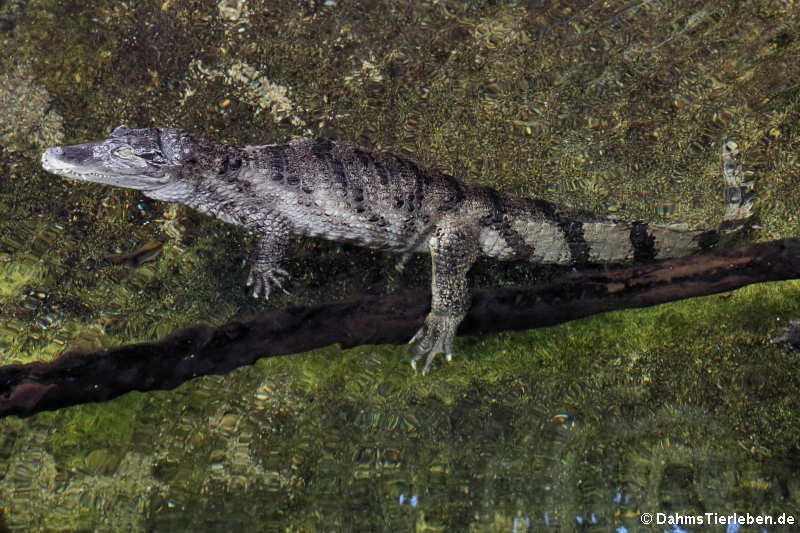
x=542, y=232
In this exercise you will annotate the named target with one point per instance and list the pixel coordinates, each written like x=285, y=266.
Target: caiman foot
x=262, y=277
x=435, y=337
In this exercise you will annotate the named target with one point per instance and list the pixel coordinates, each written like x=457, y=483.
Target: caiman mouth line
x=69, y=173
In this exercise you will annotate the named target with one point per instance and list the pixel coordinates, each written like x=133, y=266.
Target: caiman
x=346, y=193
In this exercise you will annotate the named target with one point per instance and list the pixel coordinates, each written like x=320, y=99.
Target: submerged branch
x=391, y=319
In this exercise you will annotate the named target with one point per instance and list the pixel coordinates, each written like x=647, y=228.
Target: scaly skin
x=342, y=192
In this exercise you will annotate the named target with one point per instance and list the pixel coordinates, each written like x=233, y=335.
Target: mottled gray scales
x=342, y=192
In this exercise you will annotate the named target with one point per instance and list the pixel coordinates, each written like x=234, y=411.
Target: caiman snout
x=50, y=156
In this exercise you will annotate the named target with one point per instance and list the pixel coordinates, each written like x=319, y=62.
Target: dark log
x=80, y=378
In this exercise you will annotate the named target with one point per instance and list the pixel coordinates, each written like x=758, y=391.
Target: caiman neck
x=203, y=170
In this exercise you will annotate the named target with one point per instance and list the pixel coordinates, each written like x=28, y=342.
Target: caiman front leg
x=276, y=233
x=453, y=248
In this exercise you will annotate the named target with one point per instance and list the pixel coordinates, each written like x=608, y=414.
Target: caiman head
x=146, y=159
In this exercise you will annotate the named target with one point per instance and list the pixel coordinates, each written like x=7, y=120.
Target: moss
x=92, y=427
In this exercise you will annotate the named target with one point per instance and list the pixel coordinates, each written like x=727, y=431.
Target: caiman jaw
x=51, y=162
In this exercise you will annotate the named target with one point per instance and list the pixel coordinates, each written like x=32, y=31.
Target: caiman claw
x=433, y=338
x=262, y=277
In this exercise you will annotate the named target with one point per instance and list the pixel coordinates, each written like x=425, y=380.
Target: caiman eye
x=124, y=153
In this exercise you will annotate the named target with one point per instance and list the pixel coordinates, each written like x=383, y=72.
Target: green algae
x=612, y=107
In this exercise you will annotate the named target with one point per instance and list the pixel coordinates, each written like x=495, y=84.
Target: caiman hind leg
x=265, y=271
x=453, y=248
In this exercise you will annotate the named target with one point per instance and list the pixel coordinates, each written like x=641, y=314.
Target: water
x=684, y=411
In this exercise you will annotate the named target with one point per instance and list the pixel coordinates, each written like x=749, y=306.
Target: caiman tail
x=541, y=232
